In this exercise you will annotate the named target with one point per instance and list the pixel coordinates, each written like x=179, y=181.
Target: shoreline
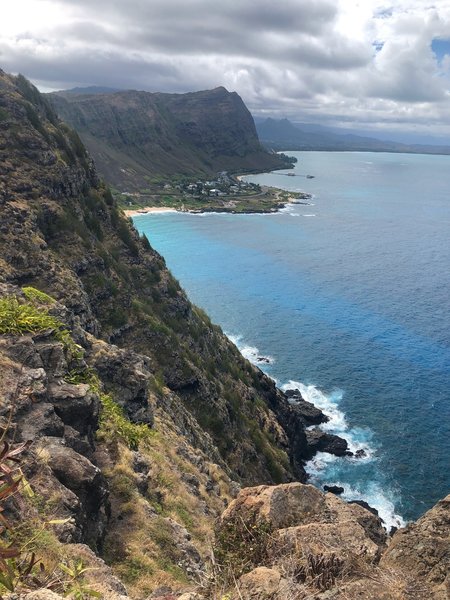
x=149, y=209
x=300, y=198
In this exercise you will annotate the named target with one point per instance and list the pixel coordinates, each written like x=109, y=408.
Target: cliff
x=144, y=418
x=300, y=543
x=135, y=137
x=143, y=347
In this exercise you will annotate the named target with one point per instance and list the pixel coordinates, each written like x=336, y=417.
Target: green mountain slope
x=137, y=136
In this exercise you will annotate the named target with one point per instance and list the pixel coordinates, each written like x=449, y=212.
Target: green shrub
x=114, y=424
x=17, y=318
x=34, y=295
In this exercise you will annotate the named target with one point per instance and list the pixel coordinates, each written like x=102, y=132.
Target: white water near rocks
x=353, y=303
x=358, y=439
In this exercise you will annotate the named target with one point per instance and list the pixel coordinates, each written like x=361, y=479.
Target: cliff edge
x=130, y=422
x=135, y=137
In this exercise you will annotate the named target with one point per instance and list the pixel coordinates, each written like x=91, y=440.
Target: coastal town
x=224, y=193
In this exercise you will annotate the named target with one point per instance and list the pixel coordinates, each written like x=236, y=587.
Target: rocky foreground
x=143, y=422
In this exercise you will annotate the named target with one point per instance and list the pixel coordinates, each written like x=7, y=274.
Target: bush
x=34, y=295
x=18, y=318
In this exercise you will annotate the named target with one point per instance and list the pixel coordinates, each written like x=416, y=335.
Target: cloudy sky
x=368, y=63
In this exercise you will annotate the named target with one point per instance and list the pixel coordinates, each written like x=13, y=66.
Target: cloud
x=364, y=60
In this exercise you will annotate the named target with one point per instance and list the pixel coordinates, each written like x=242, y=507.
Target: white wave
x=357, y=438
x=287, y=209
x=322, y=465
x=372, y=493
x=251, y=353
x=309, y=215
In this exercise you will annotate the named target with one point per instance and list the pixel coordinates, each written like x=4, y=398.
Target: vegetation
x=19, y=317
x=242, y=544
x=34, y=295
x=30, y=555
x=252, y=199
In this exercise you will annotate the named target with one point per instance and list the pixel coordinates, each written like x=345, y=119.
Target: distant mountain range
x=284, y=135
x=135, y=137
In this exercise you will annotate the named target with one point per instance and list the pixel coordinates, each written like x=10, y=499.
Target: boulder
x=344, y=539
x=280, y=506
x=423, y=549
x=41, y=420
x=77, y=406
x=310, y=414
x=334, y=489
x=320, y=441
x=260, y=584
x=86, y=481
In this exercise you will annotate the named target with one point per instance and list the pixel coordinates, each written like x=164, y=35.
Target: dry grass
x=140, y=545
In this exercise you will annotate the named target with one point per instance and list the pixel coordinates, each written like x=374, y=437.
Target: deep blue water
x=350, y=296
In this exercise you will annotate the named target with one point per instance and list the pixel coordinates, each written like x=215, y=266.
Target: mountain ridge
x=283, y=134
x=135, y=137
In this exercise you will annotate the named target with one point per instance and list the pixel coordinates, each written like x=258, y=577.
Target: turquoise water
x=350, y=298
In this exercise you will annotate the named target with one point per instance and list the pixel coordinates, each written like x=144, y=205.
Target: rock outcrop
x=300, y=543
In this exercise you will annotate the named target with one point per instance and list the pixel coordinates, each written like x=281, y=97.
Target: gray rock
x=320, y=441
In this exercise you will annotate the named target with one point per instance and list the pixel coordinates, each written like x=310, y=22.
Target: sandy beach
x=148, y=209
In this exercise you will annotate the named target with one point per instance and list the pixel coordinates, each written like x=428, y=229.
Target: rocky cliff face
x=62, y=233
x=145, y=419
x=134, y=136
x=300, y=543
x=155, y=360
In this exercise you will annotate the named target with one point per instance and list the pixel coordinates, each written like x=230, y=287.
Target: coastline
x=281, y=200
x=149, y=209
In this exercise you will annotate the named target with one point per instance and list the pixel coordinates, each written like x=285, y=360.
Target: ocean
x=349, y=297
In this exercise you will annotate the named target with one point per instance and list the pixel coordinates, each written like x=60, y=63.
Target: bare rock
x=41, y=420
x=346, y=540
x=77, y=406
x=260, y=584
x=81, y=477
x=334, y=489
x=320, y=441
x=423, y=549
x=281, y=506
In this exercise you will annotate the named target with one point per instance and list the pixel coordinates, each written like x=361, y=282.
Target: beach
x=148, y=209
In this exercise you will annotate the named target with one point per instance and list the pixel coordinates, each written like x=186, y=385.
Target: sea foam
x=327, y=468
x=251, y=353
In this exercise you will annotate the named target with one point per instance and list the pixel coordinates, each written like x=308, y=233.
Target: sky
x=369, y=64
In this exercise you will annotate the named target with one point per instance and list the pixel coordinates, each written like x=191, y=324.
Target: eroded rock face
x=206, y=131
x=60, y=419
x=423, y=549
x=311, y=544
